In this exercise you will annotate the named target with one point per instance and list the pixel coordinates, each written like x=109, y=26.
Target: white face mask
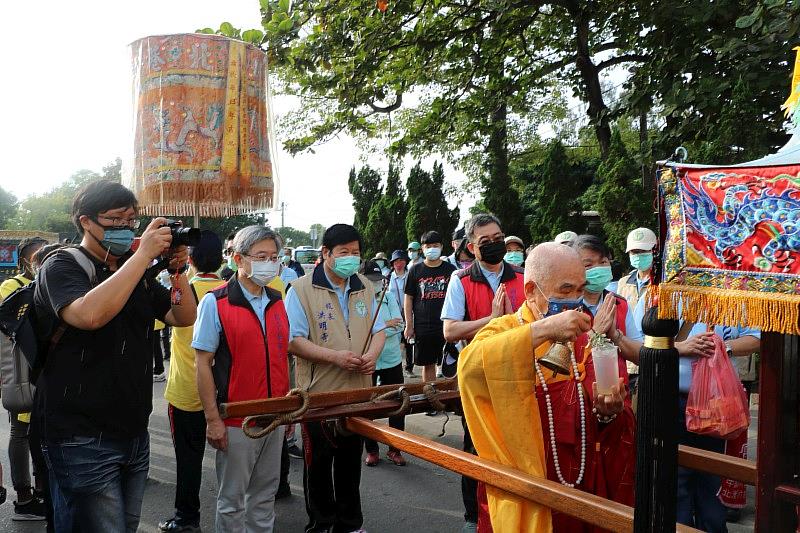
x=264, y=271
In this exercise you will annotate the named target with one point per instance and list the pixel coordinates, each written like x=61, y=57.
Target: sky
x=67, y=99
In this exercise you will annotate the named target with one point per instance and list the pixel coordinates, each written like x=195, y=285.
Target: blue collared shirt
x=288, y=275
x=298, y=321
x=455, y=301
x=207, y=327
x=397, y=288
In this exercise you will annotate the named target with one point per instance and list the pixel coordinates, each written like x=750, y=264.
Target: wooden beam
x=789, y=493
x=587, y=507
x=717, y=464
x=287, y=404
x=779, y=404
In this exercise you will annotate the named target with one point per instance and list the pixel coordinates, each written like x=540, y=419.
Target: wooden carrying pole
x=587, y=507
x=287, y=404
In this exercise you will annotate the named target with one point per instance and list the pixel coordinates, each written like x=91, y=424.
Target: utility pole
x=283, y=208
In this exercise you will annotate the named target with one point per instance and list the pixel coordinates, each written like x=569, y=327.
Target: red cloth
x=610, y=450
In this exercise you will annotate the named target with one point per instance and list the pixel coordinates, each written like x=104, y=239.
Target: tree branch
x=625, y=58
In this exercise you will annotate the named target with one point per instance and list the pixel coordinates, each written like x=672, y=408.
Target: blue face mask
x=117, y=241
x=557, y=305
x=515, y=258
x=642, y=261
x=346, y=266
x=598, y=278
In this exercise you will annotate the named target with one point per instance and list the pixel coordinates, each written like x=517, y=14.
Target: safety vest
x=479, y=294
x=250, y=363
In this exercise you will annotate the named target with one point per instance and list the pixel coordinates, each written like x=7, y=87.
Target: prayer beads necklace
x=551, y=423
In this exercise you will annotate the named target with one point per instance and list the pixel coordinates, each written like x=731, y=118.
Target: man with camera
x=94, y=394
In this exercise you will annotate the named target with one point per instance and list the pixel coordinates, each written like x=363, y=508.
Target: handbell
x=557, y=358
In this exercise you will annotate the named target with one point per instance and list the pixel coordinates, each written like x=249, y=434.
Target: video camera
x=181, y=235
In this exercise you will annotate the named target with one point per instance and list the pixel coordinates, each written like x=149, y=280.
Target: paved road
x=418, y=498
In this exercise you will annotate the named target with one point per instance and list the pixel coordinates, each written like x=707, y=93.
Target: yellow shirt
x=181, y=388
x=278, y=284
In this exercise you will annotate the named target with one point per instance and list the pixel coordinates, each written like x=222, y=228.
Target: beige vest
x=326, y=328
x=628, y=289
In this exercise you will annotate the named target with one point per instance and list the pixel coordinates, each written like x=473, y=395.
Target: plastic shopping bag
x=717, y=405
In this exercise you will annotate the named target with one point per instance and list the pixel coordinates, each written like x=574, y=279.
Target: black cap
x=372, y=270
x=431, y=237
x=459, y=234
x=398, y=254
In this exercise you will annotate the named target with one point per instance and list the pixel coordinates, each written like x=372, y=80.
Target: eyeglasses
x=489, y=240
x=272, y=258
x=132, y=223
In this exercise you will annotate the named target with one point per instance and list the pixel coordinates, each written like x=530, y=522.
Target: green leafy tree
x=298, y=237
x=385, y=229
x=621, y=201
x=8, y=207
x=427, y=205
x=365, y=188
x=720, y=85
x=551, y=193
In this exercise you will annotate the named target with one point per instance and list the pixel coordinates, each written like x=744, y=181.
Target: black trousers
x=188, y=430
x=331, y=479
x=40, y=467
x=469, y=487
x=158, y=355
x=388, y=376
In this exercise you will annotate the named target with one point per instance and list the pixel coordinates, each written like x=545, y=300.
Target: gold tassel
x=766, y=311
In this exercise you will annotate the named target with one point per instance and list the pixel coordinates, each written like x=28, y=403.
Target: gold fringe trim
x=766, y=311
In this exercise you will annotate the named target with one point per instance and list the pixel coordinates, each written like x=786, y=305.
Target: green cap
x=414, y=245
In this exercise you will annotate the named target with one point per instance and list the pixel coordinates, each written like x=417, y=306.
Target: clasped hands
x=352, y=362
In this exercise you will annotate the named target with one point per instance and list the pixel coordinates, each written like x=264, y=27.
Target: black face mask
x=492, y=253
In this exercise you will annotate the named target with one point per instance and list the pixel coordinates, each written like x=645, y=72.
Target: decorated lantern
x=203, y=140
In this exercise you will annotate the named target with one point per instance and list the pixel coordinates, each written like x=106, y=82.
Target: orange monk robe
x=508, y=424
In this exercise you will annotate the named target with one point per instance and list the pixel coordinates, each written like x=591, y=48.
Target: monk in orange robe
x=505, y=394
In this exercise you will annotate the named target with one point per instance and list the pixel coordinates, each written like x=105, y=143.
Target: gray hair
x=248, y=237
x=478, y=221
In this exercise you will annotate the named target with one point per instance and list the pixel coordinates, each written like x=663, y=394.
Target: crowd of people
x=240, y=320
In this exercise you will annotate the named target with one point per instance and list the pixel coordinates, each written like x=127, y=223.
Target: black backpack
x=23, y=351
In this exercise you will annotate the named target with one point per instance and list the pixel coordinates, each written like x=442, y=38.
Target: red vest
x=250, y=364
x=479, y=293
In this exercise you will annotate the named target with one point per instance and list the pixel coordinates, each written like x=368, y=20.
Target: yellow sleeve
x=497, y=382
x=9, y=286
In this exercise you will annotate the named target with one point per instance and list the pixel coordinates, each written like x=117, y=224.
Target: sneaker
x=295, y=451
x=29, y=511
x=372, y=459
x=469, y=527
x=410, y=373
x=158, y=378
x=174, y=526
x=284, y=491
x=395, y=457
x=432, y=413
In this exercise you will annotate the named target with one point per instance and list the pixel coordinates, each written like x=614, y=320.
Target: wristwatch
x=728, y=349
